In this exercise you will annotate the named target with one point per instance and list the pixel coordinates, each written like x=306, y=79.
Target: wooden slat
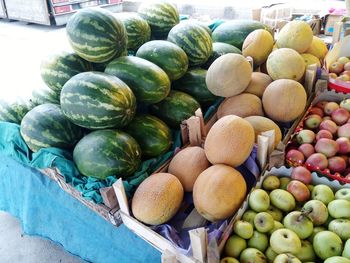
x=109, y=197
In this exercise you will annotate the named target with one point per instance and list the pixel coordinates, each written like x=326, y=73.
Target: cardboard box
x=330, y=23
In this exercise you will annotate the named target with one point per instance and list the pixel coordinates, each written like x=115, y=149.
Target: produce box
x=331, y=20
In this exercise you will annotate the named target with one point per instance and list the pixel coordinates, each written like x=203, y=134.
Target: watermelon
x=149, y=82
x=175, y=108
x=45, y=95
x=102, y=66
x=14, y=111
x=107, y=152
x=220, y=49
x=46, y=126
x=57, y=69
x=194, y=40
x=152, y=134
x=168, y=56
x=137, y=29
x=160, y=16
x=193, y=83
x=95, y=100
x=96, y=35
x=234, y=32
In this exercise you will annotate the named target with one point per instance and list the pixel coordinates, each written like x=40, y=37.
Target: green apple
x=250, y=255
x=243, y=229
x=282, y=199
x=316, y=211
x=259, y=200
x=323, y=193
x=270, y=255
x=341, y=227
x=229, y=260
x=337, y=259
x=263, y=222
x=286, y=258
x=276, y=225
x=346, y=250
x=339, y=208
x=249, y=216
x=234, y=246
x=284, y=181
x=327, y=244
x=311, y=187
x=315, y=231
x=285, y=241
x=343, y=194
x=275, y=212
x=299, y=223
x=271, y=182
x=259, y=241
x=306, y=252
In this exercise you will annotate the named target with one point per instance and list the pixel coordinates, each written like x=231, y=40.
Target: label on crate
x=62, y=9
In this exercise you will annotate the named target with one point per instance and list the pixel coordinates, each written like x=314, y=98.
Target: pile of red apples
x=340, y=69
x=323, y=144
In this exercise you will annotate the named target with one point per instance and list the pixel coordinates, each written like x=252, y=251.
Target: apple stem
x=305, y=212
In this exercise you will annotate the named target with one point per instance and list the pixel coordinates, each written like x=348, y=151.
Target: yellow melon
x=318, y=48
x=157, y=199
x=285, y=63
x=258, y=45
x=219, y=192
x=310, y=60
x=229, y=141
x=187, y=166
x=242, y=105
x=258, y=84
x=296, y=35
x=284, y=100
x=263, y=124
x=228, y=75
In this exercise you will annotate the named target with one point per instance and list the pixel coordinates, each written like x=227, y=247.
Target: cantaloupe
x=318, y=48
x=258, y=45
x=285, y=63
x=219, y=192
x=284, y=100
x=296, y=35
x=187, y=166
x=229, y=75
x=263, y=124
x=242, y=105
x=311, y=59
x=229, y=141
x=258, y=84
x=157, y=199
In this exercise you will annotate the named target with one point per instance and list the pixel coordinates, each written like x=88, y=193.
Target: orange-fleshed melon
x=258, y=84
x=318, y=48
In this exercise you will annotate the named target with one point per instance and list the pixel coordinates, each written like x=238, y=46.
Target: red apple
x=330, y=107
x=326, y=118
x=295, y=156
x=302, y=174
x=344, y=130
x=340, y=116
x=316, y=110
x=312, y=121
x=327, y=146
x=317, y=160
x=329, y=125
x=307, y=149
x=324, y=134
x=321, y=104
x=336, y=164
x=347, y=66
x=336, y=67
x=345, y=157
x=299, y=190
x=344, y=145
x=346, y=72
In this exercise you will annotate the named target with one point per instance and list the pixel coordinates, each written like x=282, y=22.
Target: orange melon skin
x=258, y=84
x=157, y=199
x=218, y=192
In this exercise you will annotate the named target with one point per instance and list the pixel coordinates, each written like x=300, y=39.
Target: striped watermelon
x=14, y=111
x=153, y=135
x=168, y=56
x=95, y=100
x=160, y=16
x=45, y=95
x=96, y=35
x=137, y=29
x=234, y=32
x=194, y=40
x=149, y=82
x=56, y=70
x=220, y=49
x=175, y=108
x=107, y=152
x=46, y=126
x=193, y=83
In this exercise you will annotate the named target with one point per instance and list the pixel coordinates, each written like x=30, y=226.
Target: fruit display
x=14, y=111
x=340, y=70
x=289, y=219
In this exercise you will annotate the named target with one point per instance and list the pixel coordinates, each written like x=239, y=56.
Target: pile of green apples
x=291, y=220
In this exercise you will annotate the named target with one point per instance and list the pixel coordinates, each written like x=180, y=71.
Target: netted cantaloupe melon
x=284, y=100
x=258, y=84
x=296, y=35
x=310, y=60
x=263, y=124
x=157, y=199
x=258, y=45
x=242, y=105
x=229, y=75
x=229, y=141
x=187, y=166
x=219, y=192
x=285, y=63
x=318, y=48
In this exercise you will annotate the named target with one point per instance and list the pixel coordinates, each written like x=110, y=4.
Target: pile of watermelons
x=114, y=110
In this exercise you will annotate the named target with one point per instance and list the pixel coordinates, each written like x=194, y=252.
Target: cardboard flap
x=340, y=49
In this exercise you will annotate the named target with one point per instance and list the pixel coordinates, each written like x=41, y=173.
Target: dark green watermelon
x=14, y=111
x=220, y=49
x=107, y=152
x=45, y=95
